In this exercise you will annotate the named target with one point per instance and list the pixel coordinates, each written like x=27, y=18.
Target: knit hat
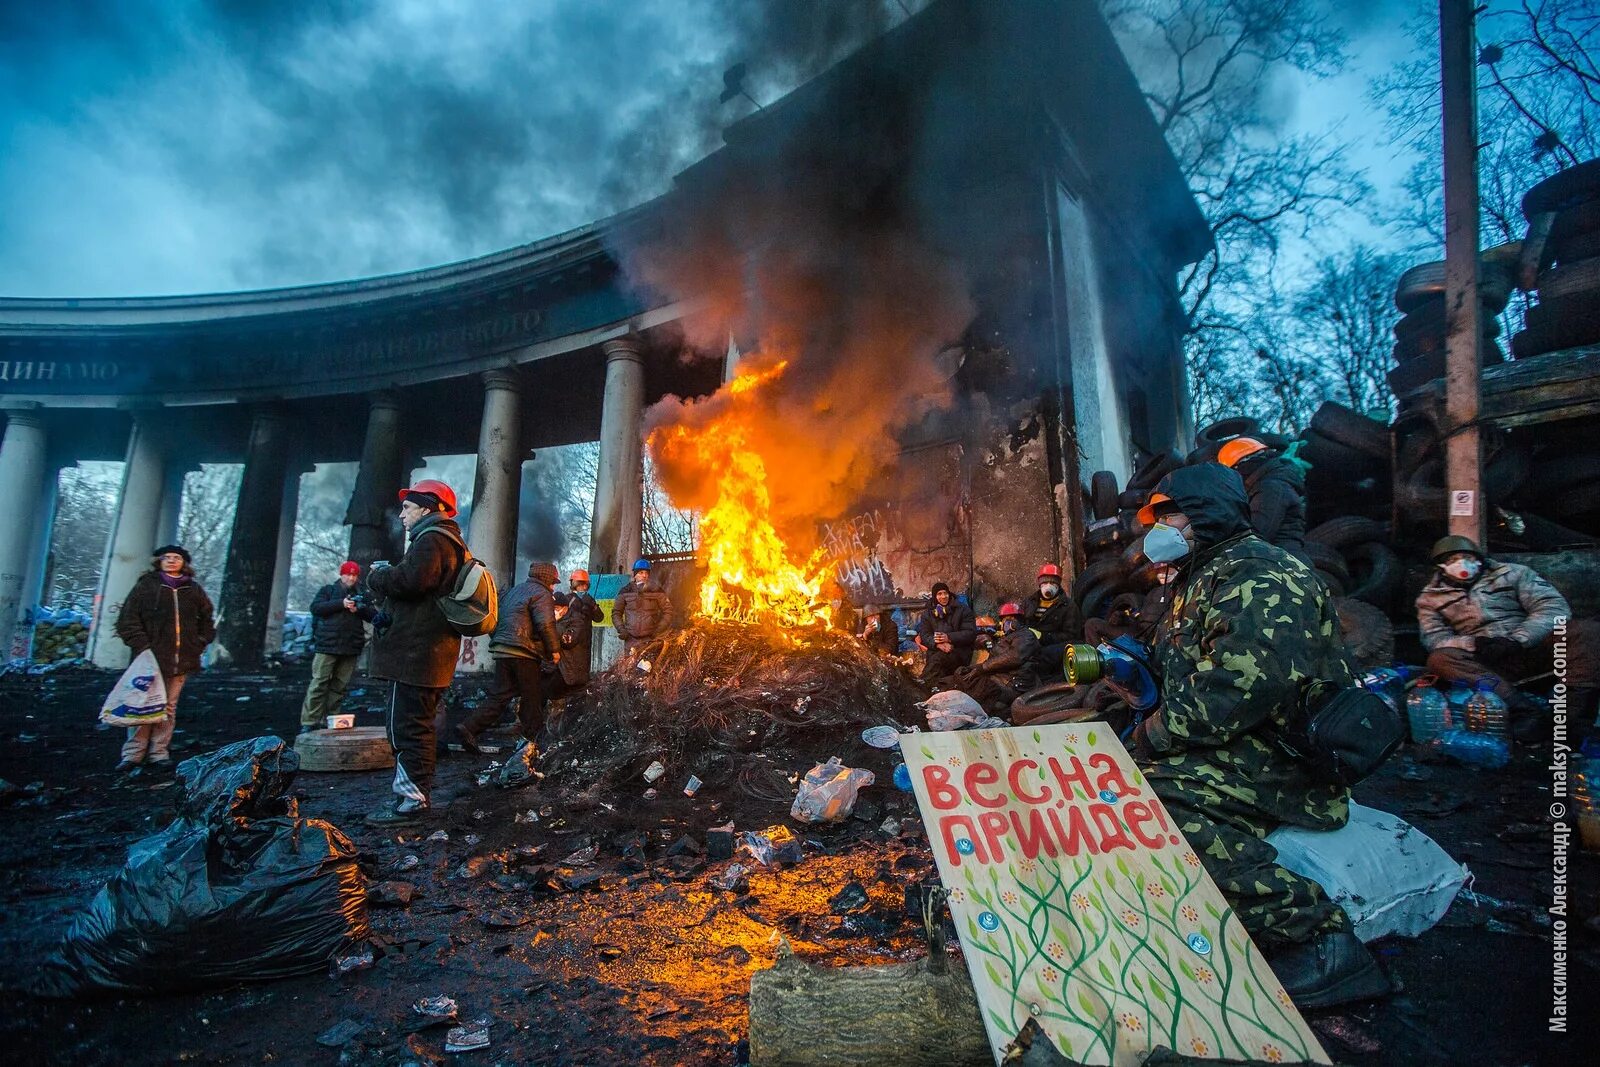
x=350, y=566
x=937, y=587
x=179, y=549
x=544, y=573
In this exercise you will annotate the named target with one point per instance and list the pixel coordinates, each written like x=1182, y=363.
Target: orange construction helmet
x=445, y=495
x=579, y=575
x=1239, y=448
x=1147, y=514
x=1049, y=570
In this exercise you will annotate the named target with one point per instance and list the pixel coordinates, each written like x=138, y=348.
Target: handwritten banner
x=1080, y=905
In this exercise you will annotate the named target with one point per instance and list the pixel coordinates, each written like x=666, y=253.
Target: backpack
x=472, y=605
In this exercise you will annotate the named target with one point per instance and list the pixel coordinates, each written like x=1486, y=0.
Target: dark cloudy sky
x=166, y=146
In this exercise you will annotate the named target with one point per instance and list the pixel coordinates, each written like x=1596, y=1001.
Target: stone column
x=33, y=590
x=253, y=547
x=171, y=502
x=615, y=539
x=282, y=565
x=373, y=515
x=498, y=484
x=133, y=538
x=22, y=473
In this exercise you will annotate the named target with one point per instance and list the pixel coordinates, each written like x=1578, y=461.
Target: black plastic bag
x=237, y=888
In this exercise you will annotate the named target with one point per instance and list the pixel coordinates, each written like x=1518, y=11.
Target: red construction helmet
x=445, y=495
x=1049, y=570
x=579, y=575
x=1010, y=608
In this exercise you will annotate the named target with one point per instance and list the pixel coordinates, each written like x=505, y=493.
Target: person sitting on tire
x=1250, y=627
x=642, y=610
x=1480, y=618
x=948, y=632
x=1053, y=615
x=1011, y=668
x=879, y=632
x=1277, y=489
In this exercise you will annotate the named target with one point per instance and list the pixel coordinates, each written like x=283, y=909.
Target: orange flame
x=752, y=574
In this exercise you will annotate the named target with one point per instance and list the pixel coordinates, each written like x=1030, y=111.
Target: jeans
x=153, y=738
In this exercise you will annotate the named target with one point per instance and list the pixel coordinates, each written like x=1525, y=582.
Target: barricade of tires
x=1419, y=336
x=1568, y=285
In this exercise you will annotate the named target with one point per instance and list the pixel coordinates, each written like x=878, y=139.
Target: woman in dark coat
x=169, y=614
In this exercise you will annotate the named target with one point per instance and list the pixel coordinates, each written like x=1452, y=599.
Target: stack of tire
x=1349, y=454
x=1419, y=354
x=1353, y=557
x=1568, y=312
x=1114, y=563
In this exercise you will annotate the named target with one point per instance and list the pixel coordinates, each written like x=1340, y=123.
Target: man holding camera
x=337, y=638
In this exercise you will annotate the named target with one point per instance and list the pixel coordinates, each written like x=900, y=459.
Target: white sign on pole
x=1461, y=502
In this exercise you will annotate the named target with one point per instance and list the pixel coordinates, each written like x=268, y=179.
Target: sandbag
x=237, y=888
x=1390, y=877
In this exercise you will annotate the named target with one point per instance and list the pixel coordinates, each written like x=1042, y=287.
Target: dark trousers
x=943, y=664
x=411, y=735
x=514, y=679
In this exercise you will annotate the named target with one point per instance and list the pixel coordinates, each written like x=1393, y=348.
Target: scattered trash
x=436, y=1007
x=468, y=1038
x=644, y=666
x=852, y=898
x=407, y=862
x=339, y=722
x=439, y=835
x=391, y=894
x=237, y=887
x=475, y=867
x=359, y=959
x=471, y=840
x=772, y=846
x=526, y=816
x=881, y=736
x=829, y=792
x=692, y=786
x=608, y=952
x=241, y=700
x=902, y=777
x=341, y=1033
x=734, y=879
x=479, y=815
x=519, y=769
x=650, y=794
x=890, y=827
x=654, y=771
x=952, y=710
x=685, y=846
x=505, y=919
x=719, y=842
x=582, y=858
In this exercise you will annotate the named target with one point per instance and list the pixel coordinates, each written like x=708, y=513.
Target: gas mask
x=1050, y=590
x=1008, y=624
x=1164, y=544
x=1464, y=569
x=1166, y=574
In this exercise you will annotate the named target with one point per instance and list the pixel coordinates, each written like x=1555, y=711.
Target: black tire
x=1327, y=561
x=1339, y=423
x=1564, y=190
x=1152, y=470
x=1103, y=494
x=1563, y=322
x=1202, y=454
x=1578, y=278
x=1505, y=472
x=1575, y=222
x=1099, y=581
x=1554, y=472
x=1415, y=373
x=1347, y=530
x=1429, y=344
x=1423, y=285
x=1374, y=573
x=1057, y=698
x=1582, y=498
x=1368, y=634
x=1226, y=430
x=1576, y=247
x=1334, y=458
x=1424, y=320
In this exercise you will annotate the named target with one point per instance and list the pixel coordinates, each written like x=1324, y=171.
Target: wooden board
x=1080, y=905
x=360, y=748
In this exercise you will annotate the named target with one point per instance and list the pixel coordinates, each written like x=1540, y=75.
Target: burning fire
x=752, y=574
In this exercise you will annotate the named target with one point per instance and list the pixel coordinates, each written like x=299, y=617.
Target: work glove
x=1495, y=649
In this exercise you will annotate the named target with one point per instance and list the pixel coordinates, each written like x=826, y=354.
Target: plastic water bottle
x=1388, y=683
x=1427, y=711
x=1480, y=740
x=1485, y=712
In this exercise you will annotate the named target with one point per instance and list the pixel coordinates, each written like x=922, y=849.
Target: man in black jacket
x=524, y=641
x=419, y=650
x=1054, y=616
x=948, y=632
x=338, y=635
x=1010, y=669
x=1277, y=491
x=575, y=627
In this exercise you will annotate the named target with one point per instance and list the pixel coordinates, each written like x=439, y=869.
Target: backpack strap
x=466, y=553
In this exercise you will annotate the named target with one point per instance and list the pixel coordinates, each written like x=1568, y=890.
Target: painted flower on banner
x=1271, y=1053
x=1010, y=898
x=1056, y=950
x=1130, y=1022
x=1130, y=917
x=1156, y=890
x=958, y=894
x=1027, y=866
x=954, y=761
x=1050, y=974
x=1080, y=902
x=1072, y=739
x=1204, y=976
x=1198, y=1047
x=1191, y=859
x=1283, y=998
x=1189, y=914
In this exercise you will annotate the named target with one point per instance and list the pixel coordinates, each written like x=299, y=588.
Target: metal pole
x=1463, y=448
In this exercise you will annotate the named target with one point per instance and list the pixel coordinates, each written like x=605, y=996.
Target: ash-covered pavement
x=638, y=957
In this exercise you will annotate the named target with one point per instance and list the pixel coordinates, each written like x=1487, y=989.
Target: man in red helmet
x=1054, y=616
x=1010, y=669
x=419, y=650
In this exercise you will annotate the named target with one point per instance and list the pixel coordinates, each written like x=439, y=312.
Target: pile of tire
x=1349, y=455
x=1113, y=544
x=1568, y=312
x=1353, y=556
x=1420, y=334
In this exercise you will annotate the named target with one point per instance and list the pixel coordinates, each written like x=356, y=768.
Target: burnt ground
x=648, y=962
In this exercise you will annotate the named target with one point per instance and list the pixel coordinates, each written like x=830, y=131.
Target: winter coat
x=641, y=612
x=1507, y=600
x=335, y=631
x=954, y=620
x=419, y=648
x=1057, y=623
x=175, y=624
x=1250, y=628
x=884, y=640
x=1277, y=489
x=527, y=626
x=577, y=638
x=1013, y=659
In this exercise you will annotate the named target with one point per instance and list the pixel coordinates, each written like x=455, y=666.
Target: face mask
x=1163, y=544
x=1049, y=589
x=1007, y=624
x=1463, y=570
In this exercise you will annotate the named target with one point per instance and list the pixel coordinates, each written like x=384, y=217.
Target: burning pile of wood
x=726, y=701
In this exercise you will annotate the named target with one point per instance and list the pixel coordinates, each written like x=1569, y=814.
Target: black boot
x=468, y=740
x=1330, y=969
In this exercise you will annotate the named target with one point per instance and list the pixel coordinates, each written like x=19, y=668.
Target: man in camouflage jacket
x=1249, y=628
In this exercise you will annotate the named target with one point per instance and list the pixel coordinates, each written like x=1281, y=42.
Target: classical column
x=373, y=515
x=22, y=473
x=33, y=591
x=278, y=602
x=498, y=485
x=133, y=538
x=171, y=501
x=253, y=546
x=615, y=539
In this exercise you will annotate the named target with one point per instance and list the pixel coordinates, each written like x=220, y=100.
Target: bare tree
x=1344, y=321
x=205, y=524
x=666, y=528
x=86, y=502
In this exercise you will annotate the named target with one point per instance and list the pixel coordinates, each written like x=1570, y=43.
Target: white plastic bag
x=828, y=792
x=952, y=710
x=1390, y=877
x=140, y=695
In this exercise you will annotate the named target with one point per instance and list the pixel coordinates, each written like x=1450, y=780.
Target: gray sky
x=173, y=146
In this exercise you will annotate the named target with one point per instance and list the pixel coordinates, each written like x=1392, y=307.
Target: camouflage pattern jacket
x=1249, y=629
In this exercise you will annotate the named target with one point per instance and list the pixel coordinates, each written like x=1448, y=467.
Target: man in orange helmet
x=576, y=628
x=419, y=650
x=1277, y=491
